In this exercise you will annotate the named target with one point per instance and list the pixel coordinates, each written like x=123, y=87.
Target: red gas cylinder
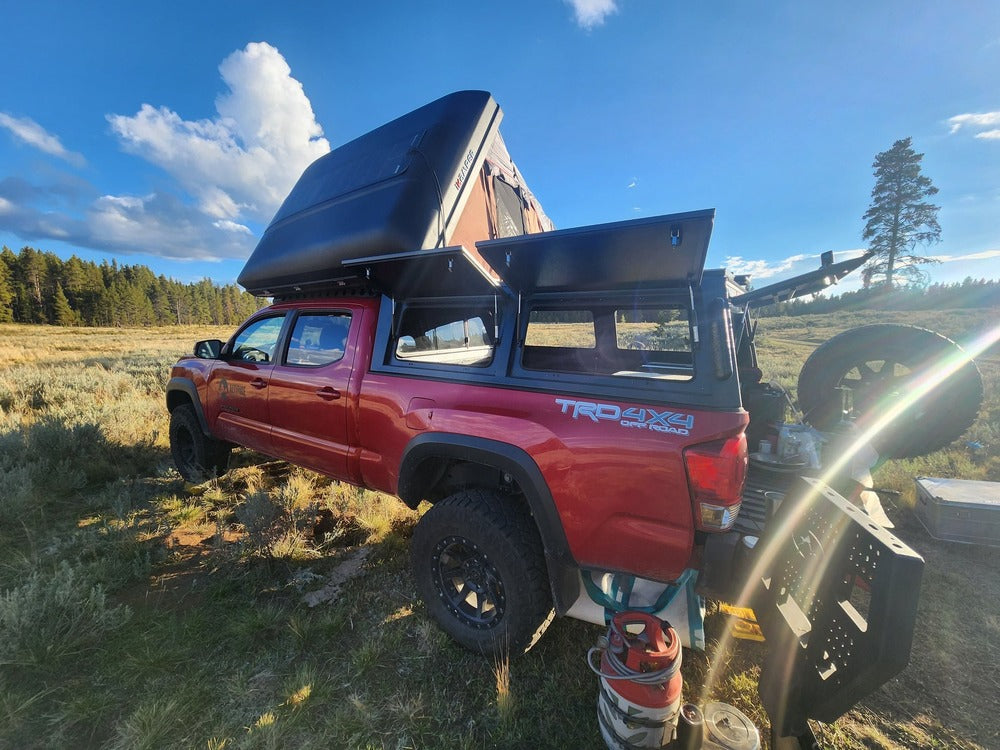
x=640, y=690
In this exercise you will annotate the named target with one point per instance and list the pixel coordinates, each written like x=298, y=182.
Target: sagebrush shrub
x=16, y=493
x=52, y=615
x=260, y=517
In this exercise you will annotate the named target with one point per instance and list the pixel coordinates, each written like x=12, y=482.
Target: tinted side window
x=451, y=336
x=572, y=329
x=659, y=329
x=643, y=340
x=318, y=339
x=258, y=341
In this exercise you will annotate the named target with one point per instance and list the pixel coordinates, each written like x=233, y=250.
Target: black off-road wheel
x=196, y=456
x=479, y=566
x=881, y=366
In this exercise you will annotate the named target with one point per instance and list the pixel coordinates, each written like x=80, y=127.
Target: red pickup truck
x=543, y=453
x=568, y=401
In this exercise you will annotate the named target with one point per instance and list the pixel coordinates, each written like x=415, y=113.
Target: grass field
x=137, y=612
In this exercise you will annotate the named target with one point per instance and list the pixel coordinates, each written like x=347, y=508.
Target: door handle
x=258, y=383
x=328, y=394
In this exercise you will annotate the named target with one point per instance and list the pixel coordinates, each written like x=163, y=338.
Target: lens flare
x=770, y=546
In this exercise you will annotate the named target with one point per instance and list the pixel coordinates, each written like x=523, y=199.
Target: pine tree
x=899, y=218
x=63, y=314
x=6, y=286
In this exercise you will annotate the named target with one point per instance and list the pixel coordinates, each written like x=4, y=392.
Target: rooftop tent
x=437, y=176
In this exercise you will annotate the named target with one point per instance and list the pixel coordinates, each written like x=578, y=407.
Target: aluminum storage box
x=960, y=510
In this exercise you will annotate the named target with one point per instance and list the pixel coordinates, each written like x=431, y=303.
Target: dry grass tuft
x=501, y=676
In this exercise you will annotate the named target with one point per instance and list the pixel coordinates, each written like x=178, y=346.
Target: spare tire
x=880, y=365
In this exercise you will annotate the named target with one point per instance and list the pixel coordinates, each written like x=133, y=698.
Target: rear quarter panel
x=620, y=489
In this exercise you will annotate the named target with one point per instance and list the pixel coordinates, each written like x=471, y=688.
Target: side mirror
x=208, y=349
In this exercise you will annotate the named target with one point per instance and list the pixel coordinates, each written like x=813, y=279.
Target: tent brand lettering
x=463, y=171
x=227, y=389
x=642, y=419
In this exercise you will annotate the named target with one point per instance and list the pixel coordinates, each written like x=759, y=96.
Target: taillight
x=716, y=473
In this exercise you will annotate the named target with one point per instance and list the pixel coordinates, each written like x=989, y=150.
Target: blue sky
x=168, y=134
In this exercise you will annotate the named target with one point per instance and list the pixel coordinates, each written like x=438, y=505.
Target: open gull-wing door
x=655, y=252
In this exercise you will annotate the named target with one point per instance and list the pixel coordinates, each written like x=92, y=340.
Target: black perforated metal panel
x=837, y=606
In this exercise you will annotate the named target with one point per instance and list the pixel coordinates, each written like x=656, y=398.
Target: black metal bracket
x=837, y=604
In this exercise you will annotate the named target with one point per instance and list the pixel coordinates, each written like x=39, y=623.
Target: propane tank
x=639, y=695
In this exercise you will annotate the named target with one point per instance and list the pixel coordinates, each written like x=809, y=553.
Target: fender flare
x=189, y=389
x=563, y=570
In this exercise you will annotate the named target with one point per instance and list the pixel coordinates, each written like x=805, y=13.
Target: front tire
x=196, y=456
x=479, y=566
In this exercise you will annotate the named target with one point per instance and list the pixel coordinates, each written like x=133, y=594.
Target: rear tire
x=196, y=456
x=880, y=365
x=479, y=566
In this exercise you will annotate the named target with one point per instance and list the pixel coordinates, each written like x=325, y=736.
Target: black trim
x=562, y=567
x=701, y=392
x=188, y=388
x=325, y=292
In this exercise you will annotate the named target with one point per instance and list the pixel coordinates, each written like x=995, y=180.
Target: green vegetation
x=39, y=287
x=899, y=217
x=137, y=611
x=970, y=294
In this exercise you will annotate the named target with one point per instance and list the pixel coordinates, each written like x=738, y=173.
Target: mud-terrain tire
x=479, y=566
x=882, y=364
x=196, y=456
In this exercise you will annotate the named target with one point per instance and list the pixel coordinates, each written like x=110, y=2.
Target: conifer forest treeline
x=966, y=295
x=40, y=287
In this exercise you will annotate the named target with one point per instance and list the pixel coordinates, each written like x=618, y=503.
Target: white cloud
x=759, y=270
x=976, y=121
x=591, y=13
x=156, y=224
x=30, y=132
x=232, y=226
x=159, y=223
x=243, y=162
x=983, y=255
x=763, y=269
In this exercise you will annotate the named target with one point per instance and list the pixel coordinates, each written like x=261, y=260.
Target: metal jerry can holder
x=837, y=602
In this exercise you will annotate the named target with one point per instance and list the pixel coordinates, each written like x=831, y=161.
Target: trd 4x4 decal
x=645, y=418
